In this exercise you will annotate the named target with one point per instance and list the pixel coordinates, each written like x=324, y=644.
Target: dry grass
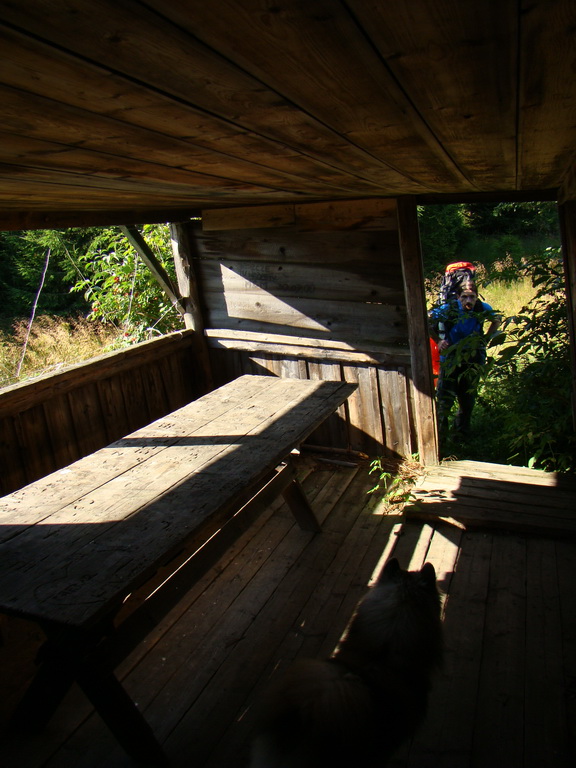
x=53, y=343
x=508, y=298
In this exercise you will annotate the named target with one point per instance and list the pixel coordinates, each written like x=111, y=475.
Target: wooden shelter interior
x=288, y=145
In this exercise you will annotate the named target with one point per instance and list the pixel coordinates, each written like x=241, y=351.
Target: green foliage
x=512, y=218
x=92, y=271
x=121, y=290
x=22, y=260
x=495, y=237
x=443, y=233
x=394, y=480
x=531, y=383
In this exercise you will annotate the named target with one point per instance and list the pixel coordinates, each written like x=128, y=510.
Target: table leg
x=296, y=499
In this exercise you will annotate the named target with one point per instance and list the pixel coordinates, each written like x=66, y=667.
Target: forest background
x=68, y=295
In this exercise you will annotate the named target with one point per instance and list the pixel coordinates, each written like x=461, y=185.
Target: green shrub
x=524, y=407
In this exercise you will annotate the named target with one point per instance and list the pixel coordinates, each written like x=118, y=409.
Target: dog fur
x=355, y=709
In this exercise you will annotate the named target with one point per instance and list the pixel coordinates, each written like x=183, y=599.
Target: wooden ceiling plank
x=79, y=157
x=547, y=115
x=175, y=192
x=328, y=68
x=143, y=46
x=39, y=70
x=245, y=102
x=36, y=153
x=457, y=61
x=45, y=119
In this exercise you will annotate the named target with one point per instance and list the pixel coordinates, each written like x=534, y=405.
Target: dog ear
x=390, y=570
x=428, y=574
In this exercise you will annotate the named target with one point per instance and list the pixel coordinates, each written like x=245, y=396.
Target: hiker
x=457, y=327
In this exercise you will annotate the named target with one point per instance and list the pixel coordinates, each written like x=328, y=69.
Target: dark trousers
x=459, y=383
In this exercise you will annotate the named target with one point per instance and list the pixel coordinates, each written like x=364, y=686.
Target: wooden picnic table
x=75, y=544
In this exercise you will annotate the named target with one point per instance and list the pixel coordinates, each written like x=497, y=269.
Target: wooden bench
x=75, y=544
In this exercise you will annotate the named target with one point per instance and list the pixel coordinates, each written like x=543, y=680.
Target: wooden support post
x=143, y=249
x=183, y=250
x=567, y=213
x=413, y=275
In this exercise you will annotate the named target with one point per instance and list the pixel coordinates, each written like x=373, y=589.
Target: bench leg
x=296, y=499
x=121, y=715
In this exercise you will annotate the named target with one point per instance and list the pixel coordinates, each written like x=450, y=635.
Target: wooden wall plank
x=278, y=339
x=333, y=432
x=114, y=410
x=310, y=349
x=365, y=424
x=53, y=421
x=35, y=443
x=567, y=213
x=372, y=213
x=20, y=396
x=154, y=391
x=395, y=410
x=359, y=282
x=321, y=283
x=87, y=419
x=12, y=459
x=175, y=379
x=132, y=385
x=357, y=324
x=59, y=421
x=292, y=246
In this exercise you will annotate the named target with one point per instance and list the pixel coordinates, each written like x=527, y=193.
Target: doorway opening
x=521, y=414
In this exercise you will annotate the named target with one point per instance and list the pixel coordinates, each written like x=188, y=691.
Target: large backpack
x=455, y=274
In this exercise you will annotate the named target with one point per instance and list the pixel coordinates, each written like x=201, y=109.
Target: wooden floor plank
x=545, y=706
x=565, y=559
x=500, y=709
x=488, y=496
x=535, y=496
x=445, y=741
x=257, y=646
x=504, y=697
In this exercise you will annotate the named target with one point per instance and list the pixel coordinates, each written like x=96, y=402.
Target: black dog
x=356, y=708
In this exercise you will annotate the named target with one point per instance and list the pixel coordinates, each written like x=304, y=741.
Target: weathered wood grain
x=292, y=246
x=178, y=108
x=496, y=496
x=338, y=215
x=357, y=282
x=89, y=553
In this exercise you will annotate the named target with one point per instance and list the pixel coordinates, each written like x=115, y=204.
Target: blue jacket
x=460, y=324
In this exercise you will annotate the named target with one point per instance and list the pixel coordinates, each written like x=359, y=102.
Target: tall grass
x=506, y=297
x=53, y=342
